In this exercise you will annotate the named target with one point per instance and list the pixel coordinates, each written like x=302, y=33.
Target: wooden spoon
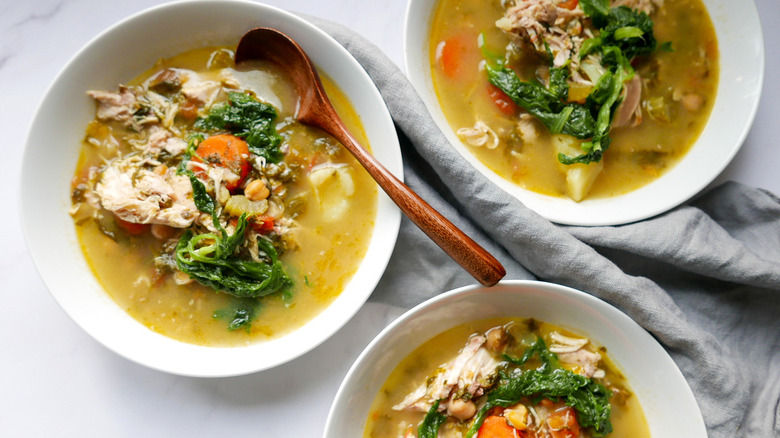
x=316, y=110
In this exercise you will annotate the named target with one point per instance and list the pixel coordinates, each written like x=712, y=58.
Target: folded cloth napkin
x=704, y=278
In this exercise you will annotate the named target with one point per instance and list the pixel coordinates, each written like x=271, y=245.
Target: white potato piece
x=333, y=186
x=579, y=177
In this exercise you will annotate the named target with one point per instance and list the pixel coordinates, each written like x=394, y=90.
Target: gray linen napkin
x=704, y=278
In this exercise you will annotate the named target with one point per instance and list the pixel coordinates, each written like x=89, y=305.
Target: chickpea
x=496, y=339
x=692, y=102
x=256, y=190
x=461, y=409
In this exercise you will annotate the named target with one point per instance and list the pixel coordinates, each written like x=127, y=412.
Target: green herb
x=666, y=47
x=429, y=428
x=248, y=118
x=628, y=29
x=539, y=348
x=200, y=195
x=560, y=117
x=240, y=313
x=595, y=8
x=589, y=398
x=211, y=259
x=624, y=34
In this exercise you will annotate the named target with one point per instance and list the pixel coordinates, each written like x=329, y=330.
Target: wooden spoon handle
x=465, y=251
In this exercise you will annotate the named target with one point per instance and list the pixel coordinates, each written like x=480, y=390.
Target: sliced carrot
x=569, y=4
x=131, y=228
x=496, y=427
x=504, y=103
x=227, y=151
x=563, y=423
x=454, y=53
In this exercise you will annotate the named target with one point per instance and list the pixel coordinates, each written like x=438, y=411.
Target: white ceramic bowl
x=663, y=393
x=118, y=54
x=741, y=77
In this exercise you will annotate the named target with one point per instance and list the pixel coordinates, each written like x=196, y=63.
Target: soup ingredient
x=249, y=119
x=135, y=193
x=623, y=34
x=507, y=382
x=496, y=426
x=211, y=260
x=429, y=428
x=225, y=151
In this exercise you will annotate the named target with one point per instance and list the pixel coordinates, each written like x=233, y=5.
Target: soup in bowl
x=587, y=111
x=524, y=358
x=207, y=233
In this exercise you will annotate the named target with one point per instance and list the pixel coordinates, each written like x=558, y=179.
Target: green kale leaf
x=589, y=398
x=240, y=313
x=212, y=260
x=429, y=427
x=559, y=117
x=624, y=33
x=596, y=9
x=248, y=118
x=630, y=30
x=548, y=359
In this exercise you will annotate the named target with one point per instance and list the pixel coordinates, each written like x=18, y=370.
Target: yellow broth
x=637, y=155
x=326, y=257
x=627, y=417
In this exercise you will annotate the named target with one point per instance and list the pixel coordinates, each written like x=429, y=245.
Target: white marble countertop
x=55, y=380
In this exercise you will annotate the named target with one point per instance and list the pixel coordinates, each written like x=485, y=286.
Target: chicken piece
x=479, y=135
x=161, y=139
x=201, y=93
x=469, y=372
x=118, y=106
x=646, y=6
x=528, y=128
x=139, y=195
x=539, y=24
x=586, y=360
x=166, y=81
x=629, y=111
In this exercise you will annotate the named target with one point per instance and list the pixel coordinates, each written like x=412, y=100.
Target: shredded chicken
x=646, y=6
x=201, y=93
x=572, y=351
x=467, y=373
x=629, y=111
x=539, y=24
x=479, y=135
x=119, y=106
x=163, y=140
x=135, y=194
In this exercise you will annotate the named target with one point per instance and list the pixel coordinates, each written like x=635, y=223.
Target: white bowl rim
x=195, y=360
x=740, y=83
x=668, y=368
